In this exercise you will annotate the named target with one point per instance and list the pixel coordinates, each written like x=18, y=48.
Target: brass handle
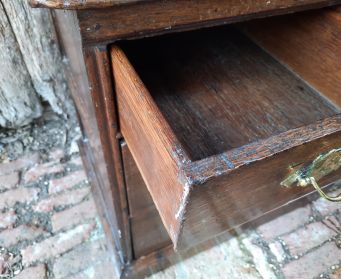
x=310, y=174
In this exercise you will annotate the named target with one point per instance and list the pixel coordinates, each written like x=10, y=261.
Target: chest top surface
x=247, y=6
x=79, y=4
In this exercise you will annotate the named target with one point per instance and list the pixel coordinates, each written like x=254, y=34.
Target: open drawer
x=215, y=124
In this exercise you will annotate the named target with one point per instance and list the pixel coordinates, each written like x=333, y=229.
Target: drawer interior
x=216, y=119
x=218, y=90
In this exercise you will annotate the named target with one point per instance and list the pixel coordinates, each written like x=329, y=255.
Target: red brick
x=24, y=162
x=23, y=232
x=77, y=161
x=277, y=249
x=313, y=263
x=285, y=223
x=56, y=245
x=74, y=215
x=306, y=238
x=336, y=274
x=36, y=272
x=9, y=181
x=66, y=182
x=7, y=219
x=333, y=223
x=326, y=207
x=80, y=258
x=103, y=270
x=67, y=198
x=40, y=170
x=74, y=147
x=259, y=257
x=56, y=154
x=9, y=198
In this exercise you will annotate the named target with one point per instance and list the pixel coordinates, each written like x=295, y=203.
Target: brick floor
x=47, y=215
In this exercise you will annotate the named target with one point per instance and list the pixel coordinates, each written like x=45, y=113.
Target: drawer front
x=148, y=232
x=173, y=108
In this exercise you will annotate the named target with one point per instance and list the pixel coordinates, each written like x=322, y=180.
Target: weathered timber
x=36, y=37
x=19, y=103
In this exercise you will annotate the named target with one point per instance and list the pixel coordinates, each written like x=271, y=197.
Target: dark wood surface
x=148, y=232
x=248, y=6
x=78, y=4
x=174, y=118
x=308, y=43
x=252, y=188
x=147, y=18
x=150, y=139
x=222, y=92
x=101, y=91
x=105, y=184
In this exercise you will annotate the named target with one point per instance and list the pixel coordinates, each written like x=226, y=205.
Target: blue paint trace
x=227, y=161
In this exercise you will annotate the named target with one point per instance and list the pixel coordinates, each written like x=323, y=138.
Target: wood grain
x=151, y=141
x=147, y=18
x=203, y=163
x=106, y=189
x=19, y=103
x=78, y=4
x=222, y=92
x=148, y=232
x=101, y=90
x=309, y=44
x=36, y=36
x=230, y=197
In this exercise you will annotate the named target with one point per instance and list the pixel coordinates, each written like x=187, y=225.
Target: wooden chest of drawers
x=190, y=134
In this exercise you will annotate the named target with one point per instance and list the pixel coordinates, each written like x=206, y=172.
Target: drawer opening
x=215, y=119
x=218, y=90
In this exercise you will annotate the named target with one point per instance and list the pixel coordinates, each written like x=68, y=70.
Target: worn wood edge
x=79, y=4
x=99, y=4
x=181, y=25
x=199, y=172
x=170, y=143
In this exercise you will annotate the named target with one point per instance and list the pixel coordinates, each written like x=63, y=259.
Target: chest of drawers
x=192, y=133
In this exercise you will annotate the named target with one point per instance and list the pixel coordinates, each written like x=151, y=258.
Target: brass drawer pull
x=310, y=174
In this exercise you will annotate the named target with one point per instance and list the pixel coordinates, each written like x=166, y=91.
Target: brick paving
x=48, y=218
